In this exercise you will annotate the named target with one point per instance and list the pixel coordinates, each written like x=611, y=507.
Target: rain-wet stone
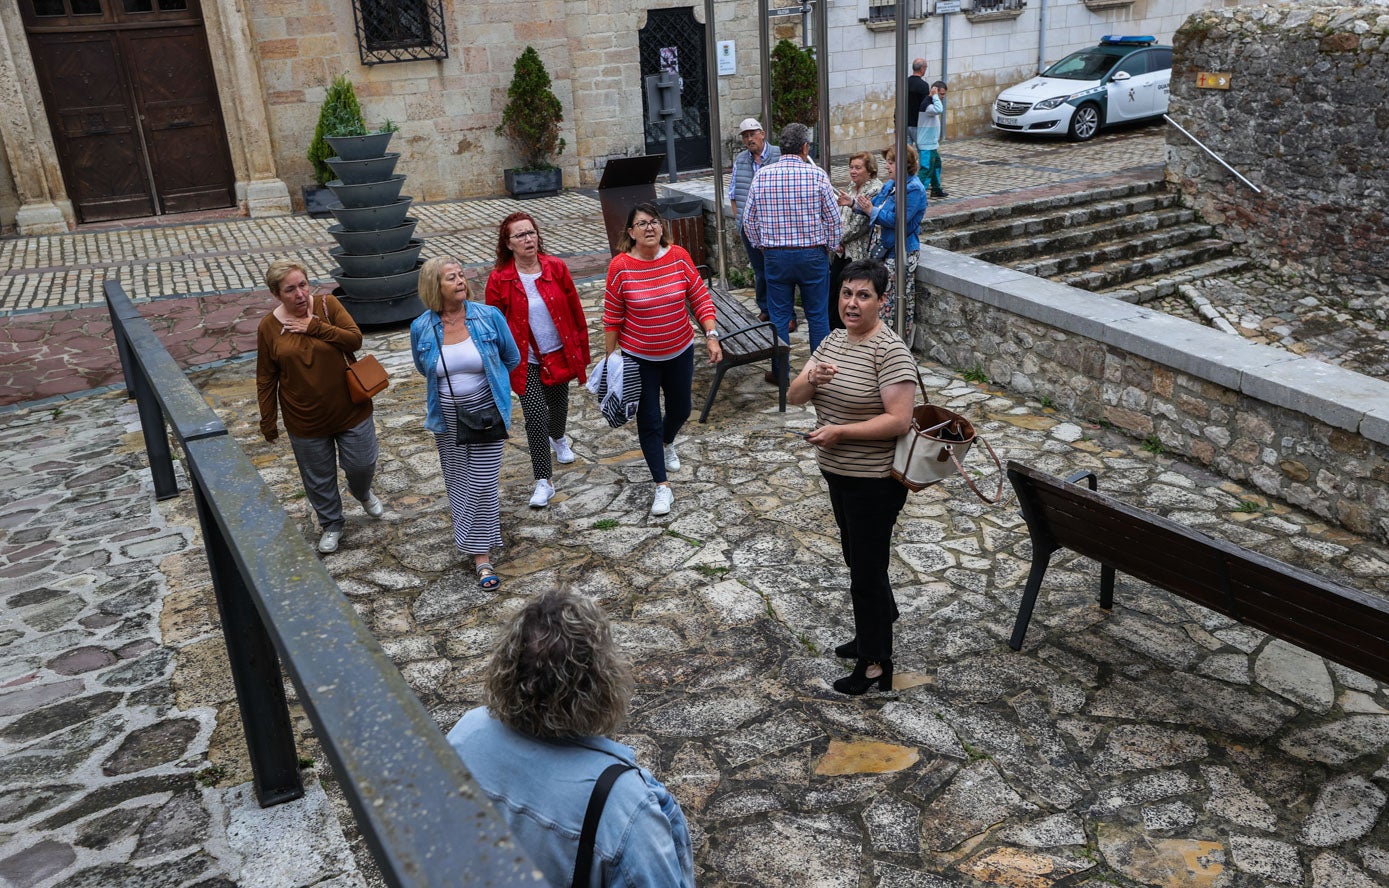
x=170, y=874
x=158, y=744
x=36, y=863
x=181, y=823
x=138, y=672
x=893, y=825
x=453, y=594
x=101, y=831
x=82, y=660
x=16, y=804
x=699, y=716
x=1049, y=832
x=1339, y=741
x=825, y=851
x=1346, y=809
x=60, y=716
x=781, y=731
x=1270, y=859
x=1148, y=788
x=976, y=799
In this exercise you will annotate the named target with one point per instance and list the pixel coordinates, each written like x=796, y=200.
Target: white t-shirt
x=542, y=325
x=462, y=364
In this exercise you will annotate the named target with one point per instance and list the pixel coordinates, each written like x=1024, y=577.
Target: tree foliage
x=533, y=113
x=795, y=86
x=340, y=115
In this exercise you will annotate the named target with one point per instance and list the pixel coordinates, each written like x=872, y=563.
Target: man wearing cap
x=792, y=215
x=755, y=155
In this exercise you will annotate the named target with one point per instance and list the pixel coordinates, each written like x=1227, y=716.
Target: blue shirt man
x=752, y=158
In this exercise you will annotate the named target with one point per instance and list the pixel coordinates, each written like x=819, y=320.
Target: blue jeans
x=759, y=270
x=809, y=269
x=674, y=377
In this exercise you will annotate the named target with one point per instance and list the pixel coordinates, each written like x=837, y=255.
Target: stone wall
x=1307, y=432
x=1305, y=119
x=447, y=110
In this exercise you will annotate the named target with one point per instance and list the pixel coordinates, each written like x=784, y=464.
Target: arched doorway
x=132, y=103
x=672, y=37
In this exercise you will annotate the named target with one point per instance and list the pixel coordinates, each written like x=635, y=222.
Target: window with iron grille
x=998, y=5
x=886, y=10
x=399, y=30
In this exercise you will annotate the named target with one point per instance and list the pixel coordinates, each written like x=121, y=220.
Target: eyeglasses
x=524, y=235
x=647, y=223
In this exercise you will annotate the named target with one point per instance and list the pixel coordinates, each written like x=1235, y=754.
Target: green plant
x=741, y=277
x=1249, y=506
x=693, y=541
x=210, y=775
x=975, y=374
x=1153, y=444
x=340, y=115
x=533, y=113
x=795, y=86
x=605, y=524
x=712, y=571
x=305, y=762
x=1047, y=402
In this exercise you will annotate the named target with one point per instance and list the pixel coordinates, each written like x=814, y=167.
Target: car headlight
x=1048, y=104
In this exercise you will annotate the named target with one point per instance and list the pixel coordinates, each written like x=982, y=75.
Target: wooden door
x=133, y=105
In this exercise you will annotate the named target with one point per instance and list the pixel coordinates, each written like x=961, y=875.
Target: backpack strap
x=583, y=864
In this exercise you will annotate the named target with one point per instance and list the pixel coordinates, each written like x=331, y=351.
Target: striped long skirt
x=471, y=473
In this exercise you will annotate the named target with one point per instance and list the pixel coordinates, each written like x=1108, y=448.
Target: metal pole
x=764, y=65
x=1218, y=158
x=255, y=669
x=900, y=178
x=1041, y=36
x=711, y=75
x=805, y=24
x=822, y=73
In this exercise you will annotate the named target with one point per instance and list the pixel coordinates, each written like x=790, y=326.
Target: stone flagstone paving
x=1158, y=745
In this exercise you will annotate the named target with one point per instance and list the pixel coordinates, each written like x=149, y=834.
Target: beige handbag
x=932, y=449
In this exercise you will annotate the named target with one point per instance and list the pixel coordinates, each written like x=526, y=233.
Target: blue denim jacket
x=488, y=328
x=541, y=789
x=885, y=213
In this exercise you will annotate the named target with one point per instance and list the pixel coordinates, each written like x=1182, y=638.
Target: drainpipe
x=899, y=180
x=944, y=61
x=764, y=65
x=711, y=74
x=1041, y=36
x=822, y=71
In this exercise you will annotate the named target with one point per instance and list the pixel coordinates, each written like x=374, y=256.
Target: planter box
x=523, y=184
x=362, y=147
x=317, y=200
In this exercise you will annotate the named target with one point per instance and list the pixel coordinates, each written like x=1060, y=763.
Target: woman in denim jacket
x=881, y=211
x=556, y=684
x=465, y=351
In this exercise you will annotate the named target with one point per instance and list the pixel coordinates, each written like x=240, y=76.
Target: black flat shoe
x=858, y=683
x=940, y=194
x=848, y=650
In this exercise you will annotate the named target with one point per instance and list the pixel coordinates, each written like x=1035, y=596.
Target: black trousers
x=866, y=511
x=673, y=378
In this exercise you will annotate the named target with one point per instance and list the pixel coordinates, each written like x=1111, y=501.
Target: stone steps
x=1165, y=286
x=968, y=237
x=945, y=222
x=1058, y=263
x=1076, y=238
x=1136, y=269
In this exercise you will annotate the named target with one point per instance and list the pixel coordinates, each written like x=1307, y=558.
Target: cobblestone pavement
x=1160, y=744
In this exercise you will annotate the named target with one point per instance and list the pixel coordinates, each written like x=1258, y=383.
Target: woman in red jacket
x=536, y=293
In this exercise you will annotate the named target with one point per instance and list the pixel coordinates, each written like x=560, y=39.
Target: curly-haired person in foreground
x=555, y=687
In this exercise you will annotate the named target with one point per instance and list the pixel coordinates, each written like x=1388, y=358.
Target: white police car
x=1121, y=79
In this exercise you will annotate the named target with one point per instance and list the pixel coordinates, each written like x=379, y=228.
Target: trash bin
x=685, y=224
x=626, y=182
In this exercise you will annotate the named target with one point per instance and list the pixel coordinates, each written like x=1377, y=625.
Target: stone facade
x=1304, y=119
x=1250, y=414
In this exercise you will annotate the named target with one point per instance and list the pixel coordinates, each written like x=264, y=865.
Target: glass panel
x=86, y=7
x=49, y=7
x=139, y=5
x=173, y=4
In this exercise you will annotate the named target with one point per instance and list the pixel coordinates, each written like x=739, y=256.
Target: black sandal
x=487, y=577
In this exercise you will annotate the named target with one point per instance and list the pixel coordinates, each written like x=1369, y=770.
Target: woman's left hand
x=715, y=350
x=826, y=436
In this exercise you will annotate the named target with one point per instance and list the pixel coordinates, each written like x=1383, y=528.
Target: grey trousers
x=318, y=459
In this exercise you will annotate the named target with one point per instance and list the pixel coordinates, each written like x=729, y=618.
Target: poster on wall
x=670, y=59
x=728, y=58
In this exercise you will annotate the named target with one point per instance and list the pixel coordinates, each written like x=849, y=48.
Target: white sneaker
x=328, y=543
x=543, y=491
x=664, y=497
x=672, y=460
x=564, y=454
x=373, y=505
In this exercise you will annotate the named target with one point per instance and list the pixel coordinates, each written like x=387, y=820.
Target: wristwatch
x=711, y=334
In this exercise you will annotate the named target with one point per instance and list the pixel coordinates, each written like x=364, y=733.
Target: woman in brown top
x=301, y=366
x=861, y=381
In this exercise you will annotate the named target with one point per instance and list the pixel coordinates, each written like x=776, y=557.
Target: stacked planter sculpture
x=377, y=254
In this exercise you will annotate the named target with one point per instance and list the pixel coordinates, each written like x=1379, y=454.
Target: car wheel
x=1085, y=122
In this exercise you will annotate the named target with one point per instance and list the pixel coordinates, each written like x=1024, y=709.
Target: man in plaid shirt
x=792, y=215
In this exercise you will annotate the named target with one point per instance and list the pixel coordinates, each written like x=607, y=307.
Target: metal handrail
x=424, y=818
x=1218, y=159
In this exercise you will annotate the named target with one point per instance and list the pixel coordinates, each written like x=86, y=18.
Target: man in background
x=917, y=93
x=928, y=134
x=756, y=154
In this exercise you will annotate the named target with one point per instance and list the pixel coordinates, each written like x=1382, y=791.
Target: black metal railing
x=879, y=11
x=399, y=30
x=997, y=5
x=425, y=820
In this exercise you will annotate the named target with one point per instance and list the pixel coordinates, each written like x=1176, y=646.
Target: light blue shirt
x=885, y=213
x=928, y=124
x=490, y=333
x=541, y=789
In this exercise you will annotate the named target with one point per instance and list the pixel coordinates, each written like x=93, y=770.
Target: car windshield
x=1088, y=64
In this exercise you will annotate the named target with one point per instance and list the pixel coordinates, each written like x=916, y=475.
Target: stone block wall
x=447, y=110
x=1309, y=433
x=1305, y=119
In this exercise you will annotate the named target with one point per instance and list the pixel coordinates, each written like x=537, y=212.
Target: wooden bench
x=1342, y=624
x=745, y=340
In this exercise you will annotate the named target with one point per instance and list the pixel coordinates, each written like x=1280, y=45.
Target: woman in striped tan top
x=861, y=381
x=652, y=284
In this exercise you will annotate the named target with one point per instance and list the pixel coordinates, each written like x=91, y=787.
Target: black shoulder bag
x=583, y=864
x=473, y=426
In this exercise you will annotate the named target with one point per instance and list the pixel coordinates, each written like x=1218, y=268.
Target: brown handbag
x=365, y=378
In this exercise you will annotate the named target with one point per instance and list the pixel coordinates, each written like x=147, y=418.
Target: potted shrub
x=531, y=121
x=795, y=86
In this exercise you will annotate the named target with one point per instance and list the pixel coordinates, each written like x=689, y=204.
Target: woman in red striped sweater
x=652, y=284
